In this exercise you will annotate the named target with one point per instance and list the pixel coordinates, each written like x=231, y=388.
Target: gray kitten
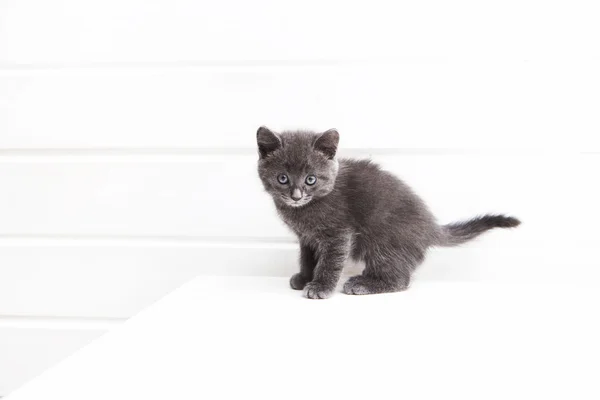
x=351, y=208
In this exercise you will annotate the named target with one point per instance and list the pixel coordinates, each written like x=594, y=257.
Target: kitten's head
x=297, y=167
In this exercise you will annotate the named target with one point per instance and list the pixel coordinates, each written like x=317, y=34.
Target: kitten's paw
x=359, y=285
x=315, y=290
x=356, y=285
x=297, y=281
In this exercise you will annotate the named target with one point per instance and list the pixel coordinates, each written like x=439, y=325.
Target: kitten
x=351, y=208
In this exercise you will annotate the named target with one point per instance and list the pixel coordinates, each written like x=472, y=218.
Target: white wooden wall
x=127, y=142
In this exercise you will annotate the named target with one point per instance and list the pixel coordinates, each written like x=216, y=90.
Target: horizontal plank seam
x=235, y=151
x=184, y=64
x=145, y=240
x=183, y=241
x=8, y=66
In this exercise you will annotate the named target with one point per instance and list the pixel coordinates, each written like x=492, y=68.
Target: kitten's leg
x=332, y=255
x=308, y=261
x=384, y=276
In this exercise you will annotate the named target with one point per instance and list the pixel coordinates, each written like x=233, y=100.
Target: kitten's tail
x=460, y=232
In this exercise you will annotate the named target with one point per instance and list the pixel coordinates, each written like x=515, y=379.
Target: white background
x=127, y=142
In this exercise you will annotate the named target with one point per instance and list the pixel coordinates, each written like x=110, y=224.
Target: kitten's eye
x=283, y=179
x=311, y=180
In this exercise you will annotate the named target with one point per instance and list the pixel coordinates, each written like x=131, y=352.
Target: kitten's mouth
x=296, y=203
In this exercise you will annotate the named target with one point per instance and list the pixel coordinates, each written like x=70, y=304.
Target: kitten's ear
x=327, y=143
x=267, y=140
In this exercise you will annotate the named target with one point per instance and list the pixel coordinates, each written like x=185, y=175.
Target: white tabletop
x=228, y=338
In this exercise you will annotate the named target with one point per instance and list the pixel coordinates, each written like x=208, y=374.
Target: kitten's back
x=379, y=200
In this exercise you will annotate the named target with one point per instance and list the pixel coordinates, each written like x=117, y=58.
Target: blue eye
x=283, y=179
x=311, y=180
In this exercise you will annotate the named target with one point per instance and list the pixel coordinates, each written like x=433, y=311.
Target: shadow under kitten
x=351, y=208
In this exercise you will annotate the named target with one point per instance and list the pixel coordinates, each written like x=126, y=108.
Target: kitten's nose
x=296, y=195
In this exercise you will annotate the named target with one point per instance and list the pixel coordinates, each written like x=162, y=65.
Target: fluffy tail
x=461, y=232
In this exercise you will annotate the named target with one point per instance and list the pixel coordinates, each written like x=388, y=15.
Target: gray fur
x=354, y=209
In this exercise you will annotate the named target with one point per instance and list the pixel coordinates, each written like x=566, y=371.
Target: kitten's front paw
x=316, y=290
x=297, y=281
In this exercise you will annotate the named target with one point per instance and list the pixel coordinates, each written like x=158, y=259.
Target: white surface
x=119, y=118
x=26, y=351
x=255, y=338
x=119, y=279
